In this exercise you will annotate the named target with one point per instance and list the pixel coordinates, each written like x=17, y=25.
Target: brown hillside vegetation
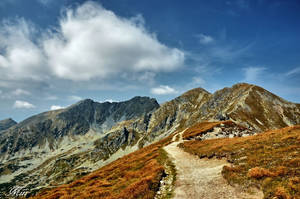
x=136, y=175
x=204, y=127
x=270, y=160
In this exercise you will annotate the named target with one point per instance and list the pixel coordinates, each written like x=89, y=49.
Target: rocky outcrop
x=6, y=124
x=223, y=130
x=252, y=106
x=58, y=146
x=51, y=127
x=245, y=104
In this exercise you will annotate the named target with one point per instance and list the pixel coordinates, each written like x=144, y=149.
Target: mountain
x=6, y=124
x=248, y=105
x=78, y=119
x=57, y=147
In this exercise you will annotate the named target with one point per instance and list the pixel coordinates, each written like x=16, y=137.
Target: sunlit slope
x=270, y=160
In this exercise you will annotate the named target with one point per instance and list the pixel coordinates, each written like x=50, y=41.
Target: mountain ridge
x=7, y=123
x=79, y=139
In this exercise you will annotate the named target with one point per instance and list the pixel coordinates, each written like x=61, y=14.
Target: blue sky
x=56, y=52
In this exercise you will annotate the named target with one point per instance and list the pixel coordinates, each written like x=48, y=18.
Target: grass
x=136, y=175
x=269, y=161
x=171, y=171
x=204, y=127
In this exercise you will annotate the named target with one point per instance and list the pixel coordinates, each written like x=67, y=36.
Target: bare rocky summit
x=248, y=105
x=59, y=146
x=6, y=124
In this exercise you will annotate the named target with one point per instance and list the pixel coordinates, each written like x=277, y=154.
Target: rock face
x=77, y=119
x=252, y=106
x=6, y=124
x=58, y=146
x=248, y=105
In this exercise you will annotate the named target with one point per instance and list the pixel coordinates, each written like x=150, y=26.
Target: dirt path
x=199, y=178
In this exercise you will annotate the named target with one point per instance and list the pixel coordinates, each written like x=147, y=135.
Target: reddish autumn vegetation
x=269, y=160
x=136, y=175
x=204, y=127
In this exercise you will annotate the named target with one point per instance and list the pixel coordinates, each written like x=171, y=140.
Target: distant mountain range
x=59, y=146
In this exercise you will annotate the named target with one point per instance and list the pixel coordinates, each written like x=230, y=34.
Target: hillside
x=136, y=175
x=247, y=105
x=269, y=160
x=6, y=124
x=60, y=146
x=274, y=169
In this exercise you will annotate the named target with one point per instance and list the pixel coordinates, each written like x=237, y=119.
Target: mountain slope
x=248, y=105
x=57, y=146
x=269, y=160
x=6, y=124
x=253, y=106
x=274, y=168
x=136, y=175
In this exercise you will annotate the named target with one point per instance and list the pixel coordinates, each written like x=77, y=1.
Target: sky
x=54, y=53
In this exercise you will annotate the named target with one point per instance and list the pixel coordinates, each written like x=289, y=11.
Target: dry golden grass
x=270, y=160
x=136, y=175
x=204, y=127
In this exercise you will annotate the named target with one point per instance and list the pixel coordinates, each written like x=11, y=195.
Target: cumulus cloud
x=56, y=107
x=90, y=42
x=23, y=105
x=20, y=56
x=253, y=73
x=205, y=39
x=94, y=42
x=163, y=90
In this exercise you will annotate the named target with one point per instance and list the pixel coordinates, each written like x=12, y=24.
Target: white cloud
x=23, y=104
x=0, y=92
x=21, y=57
x=90, y=42
x=20, y=91
x=55, y=107
x=163, y=90
x=205, y=39
x=253, y=73
x=117, y=45
x=109, y=100
x=293, y=71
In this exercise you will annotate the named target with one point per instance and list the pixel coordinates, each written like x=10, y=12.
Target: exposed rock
x=248, y=105
x=6, y=124
x=58, y=146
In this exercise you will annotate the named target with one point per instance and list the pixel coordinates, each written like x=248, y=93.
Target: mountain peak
x=195, y=91
x=7, y=123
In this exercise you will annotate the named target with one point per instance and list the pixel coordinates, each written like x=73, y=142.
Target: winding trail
x=201, y=178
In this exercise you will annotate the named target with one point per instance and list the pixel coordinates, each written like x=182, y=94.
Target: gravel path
x=201, y=178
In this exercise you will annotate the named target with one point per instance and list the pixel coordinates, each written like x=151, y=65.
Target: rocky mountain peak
x=78, y=119
x=7, y=123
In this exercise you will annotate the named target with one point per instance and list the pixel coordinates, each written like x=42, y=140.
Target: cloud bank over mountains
x=90, y=42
